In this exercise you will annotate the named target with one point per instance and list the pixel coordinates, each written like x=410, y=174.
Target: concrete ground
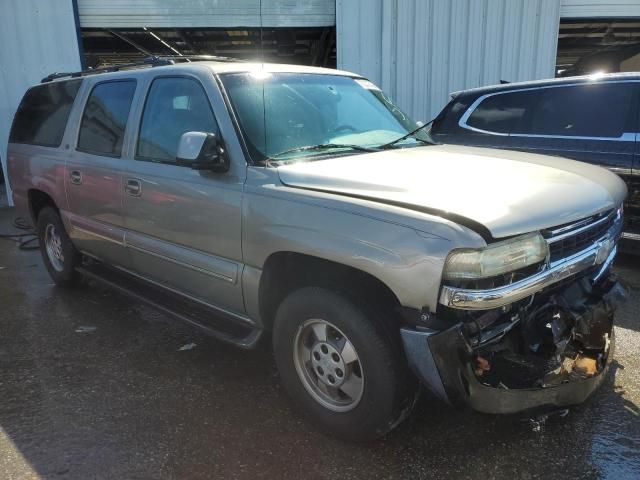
x=94, y=386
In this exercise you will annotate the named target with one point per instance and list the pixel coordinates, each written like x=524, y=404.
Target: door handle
x=133, y=187
x=76, y=177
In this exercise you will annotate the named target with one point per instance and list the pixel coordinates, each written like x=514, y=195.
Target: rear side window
x=43, y=113
x=174, y=106
x=503, y=113
x=591, y=110
x=105, y=118
x=600, y=110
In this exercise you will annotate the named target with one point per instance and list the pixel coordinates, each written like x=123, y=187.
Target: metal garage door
x=206, y=13
x=36, y=39
x=599, y=8
x=419, y=51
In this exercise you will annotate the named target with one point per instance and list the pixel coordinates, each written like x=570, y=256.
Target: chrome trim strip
x=182, y=264
x=462, y=123
x=97, y=235
x=558, y=231
x=562, y=236
x=497, y=297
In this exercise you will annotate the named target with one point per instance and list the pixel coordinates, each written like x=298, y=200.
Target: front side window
x=105, y=118
x=278, y=112
x=174, y=106
x=42, y=115
x=504, y=113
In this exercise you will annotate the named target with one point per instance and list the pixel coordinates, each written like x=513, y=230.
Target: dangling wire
x=25, y=241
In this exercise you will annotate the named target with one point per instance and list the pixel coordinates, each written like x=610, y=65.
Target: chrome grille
x=566, y=240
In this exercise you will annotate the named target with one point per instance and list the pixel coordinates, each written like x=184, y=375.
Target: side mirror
x=202, y=151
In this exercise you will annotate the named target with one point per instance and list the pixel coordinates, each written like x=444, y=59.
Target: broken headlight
x=496, y=259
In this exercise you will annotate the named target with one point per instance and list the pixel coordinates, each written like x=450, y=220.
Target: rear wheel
x=60, y=256
x=339, y=364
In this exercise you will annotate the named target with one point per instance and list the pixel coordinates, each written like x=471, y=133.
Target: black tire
x=64, y=274
x=389, y=389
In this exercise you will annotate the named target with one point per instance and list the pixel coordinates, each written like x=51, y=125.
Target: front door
x=93, y=173
x=183, y=225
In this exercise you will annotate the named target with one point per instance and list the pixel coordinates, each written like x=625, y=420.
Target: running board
x=630, y=243
x=631, y=236
x=208, y=319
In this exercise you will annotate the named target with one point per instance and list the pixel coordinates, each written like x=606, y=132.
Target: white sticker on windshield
x=366, y=84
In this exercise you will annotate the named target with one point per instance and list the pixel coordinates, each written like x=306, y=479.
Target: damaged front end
x=545, y=340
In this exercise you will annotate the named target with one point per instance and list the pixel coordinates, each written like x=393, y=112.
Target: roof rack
x=154, y=61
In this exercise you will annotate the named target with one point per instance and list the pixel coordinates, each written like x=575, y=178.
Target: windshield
x=281, y=112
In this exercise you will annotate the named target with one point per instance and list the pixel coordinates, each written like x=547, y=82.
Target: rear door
x=183, y=225
x=93, y=179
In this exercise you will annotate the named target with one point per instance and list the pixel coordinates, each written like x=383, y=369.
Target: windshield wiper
x=324, y=146
x=404, y=137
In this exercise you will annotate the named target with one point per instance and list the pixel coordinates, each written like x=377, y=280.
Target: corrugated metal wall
x=36, y=38
x=206, y=13
x=419, y=51
x=600, y=8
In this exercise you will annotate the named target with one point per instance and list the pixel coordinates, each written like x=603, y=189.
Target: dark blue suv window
x=599, y=110
x=503, y=112
x=591, y=110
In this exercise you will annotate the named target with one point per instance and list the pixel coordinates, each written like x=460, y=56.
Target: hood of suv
x=507, y=192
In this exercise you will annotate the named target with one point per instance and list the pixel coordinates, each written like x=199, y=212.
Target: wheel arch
x=38, y=199
x=287, y=271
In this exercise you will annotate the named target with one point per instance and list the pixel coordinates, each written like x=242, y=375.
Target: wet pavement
x=93, y=385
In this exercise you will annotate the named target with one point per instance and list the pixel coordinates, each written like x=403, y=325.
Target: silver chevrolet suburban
x=302, y=205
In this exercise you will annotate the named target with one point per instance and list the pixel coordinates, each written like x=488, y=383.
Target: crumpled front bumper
x=443, y=361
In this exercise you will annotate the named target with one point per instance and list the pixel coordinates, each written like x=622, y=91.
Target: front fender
x=346, y=231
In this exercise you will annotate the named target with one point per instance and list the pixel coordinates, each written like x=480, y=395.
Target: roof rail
x=154, y=61
x=200, y=58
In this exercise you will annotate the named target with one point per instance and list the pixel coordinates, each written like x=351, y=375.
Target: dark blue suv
x=594, y=119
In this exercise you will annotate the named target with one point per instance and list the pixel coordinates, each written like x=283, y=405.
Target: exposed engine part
x=565, y=338
x=586, y=366
x=482, y=365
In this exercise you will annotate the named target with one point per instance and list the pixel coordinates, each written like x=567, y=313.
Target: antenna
x=264, y=104
x=261, y=40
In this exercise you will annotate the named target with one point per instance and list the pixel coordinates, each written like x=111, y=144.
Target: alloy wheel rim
x=328, y=365
x=53, y=245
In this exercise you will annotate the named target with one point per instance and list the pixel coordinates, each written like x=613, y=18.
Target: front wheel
x=340, y=365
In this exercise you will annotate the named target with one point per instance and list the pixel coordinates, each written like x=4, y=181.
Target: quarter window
x=174, y=106
x=105, y=118
x=43, y=113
